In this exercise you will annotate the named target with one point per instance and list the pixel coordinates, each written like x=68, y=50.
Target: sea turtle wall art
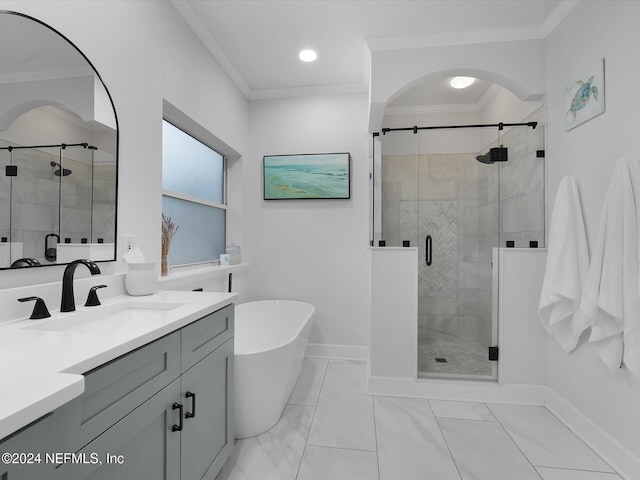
x=584, y=96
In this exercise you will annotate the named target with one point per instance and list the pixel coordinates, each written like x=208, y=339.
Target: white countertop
x=41, y=369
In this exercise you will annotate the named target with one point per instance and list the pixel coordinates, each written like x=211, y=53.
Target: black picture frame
x=310, y=176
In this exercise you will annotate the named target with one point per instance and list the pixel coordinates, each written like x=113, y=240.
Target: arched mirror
x=58, y=150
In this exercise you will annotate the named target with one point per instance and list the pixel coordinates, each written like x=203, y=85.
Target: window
x=193, y=195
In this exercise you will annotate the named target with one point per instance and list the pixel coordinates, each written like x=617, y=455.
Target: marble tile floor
x=464, y=357
x=332, y=429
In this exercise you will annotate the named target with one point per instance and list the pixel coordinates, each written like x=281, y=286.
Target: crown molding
x=44, y=75
x=447, y=108
x=488, y=95
x=515, y=33
x=192, y=20
x=320, y=90
x=531, y=32
x=485, y=35
x=558, y=14
x=432, y=109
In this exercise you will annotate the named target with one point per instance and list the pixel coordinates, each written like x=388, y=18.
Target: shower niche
x=456, y=193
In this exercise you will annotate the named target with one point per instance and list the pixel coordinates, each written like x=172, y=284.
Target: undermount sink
x=106, y=317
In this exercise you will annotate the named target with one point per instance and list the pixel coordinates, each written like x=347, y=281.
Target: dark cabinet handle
x=178, y=428
x=429, y=250
x=192, y=413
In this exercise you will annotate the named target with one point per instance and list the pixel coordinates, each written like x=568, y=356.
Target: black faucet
x=68, y=303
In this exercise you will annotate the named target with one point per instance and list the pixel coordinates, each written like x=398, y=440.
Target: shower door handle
x=428, y=250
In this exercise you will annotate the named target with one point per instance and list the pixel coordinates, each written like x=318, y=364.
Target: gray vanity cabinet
x=38, y=438
x=140, y=446
x=162, y=411
x=207, y=436
x=114, y=389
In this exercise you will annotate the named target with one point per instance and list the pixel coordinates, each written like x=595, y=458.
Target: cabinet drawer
x=116, y=388
x=203, y=336
x=33, y=442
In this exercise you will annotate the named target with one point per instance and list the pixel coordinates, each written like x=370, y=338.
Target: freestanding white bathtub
x=270, y=340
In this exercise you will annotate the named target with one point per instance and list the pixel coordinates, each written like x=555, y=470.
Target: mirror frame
x=117, y=152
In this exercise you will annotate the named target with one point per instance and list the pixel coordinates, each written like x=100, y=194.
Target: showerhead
x=60, y=171
x=495, y=154
x=484, y=158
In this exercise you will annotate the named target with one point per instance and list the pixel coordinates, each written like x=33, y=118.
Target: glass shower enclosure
x=456, y=194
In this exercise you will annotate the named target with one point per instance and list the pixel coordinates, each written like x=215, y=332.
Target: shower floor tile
x=463, y=357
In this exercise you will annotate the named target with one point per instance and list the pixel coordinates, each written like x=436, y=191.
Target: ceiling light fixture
x=307, y=55
x=461, y=82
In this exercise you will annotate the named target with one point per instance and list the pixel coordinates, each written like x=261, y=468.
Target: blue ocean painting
x=306, y=176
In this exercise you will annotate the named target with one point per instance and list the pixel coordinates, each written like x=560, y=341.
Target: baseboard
x=616, y=455
x=468, y=391
x=341, y=352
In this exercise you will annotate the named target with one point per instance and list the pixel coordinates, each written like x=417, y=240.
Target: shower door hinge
x=493, y=353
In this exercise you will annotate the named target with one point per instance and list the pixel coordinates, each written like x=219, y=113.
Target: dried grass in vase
x=168, y=231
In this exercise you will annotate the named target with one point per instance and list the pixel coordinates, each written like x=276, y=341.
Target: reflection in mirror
x=58, y=150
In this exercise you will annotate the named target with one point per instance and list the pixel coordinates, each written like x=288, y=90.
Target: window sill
x=175, y=279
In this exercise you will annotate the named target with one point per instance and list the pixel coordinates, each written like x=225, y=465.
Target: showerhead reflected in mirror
x=58, y=149
x=60, y=171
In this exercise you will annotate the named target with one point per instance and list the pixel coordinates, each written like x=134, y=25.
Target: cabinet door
x=32, y=444
x=203, y=336
x=141, y=446
x=207, y=438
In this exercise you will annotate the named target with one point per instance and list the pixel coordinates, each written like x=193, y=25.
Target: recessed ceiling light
x=461, y=82
x=307, y=55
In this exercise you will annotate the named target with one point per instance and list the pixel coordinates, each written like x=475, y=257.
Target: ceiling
x=33, y=52
x=257, y=41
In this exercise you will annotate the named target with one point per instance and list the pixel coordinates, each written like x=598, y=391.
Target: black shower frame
x=415, y=129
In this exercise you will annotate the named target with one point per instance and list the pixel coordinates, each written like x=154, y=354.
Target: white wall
x=515, y=65
x=593, y=30
x=522, y=337
x=145, y=53
x=505, y=107
x=431, y=141
x=394, y=312
x=311, y=250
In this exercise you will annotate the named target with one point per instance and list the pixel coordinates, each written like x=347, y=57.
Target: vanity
x=139, y=387
x=134, y=388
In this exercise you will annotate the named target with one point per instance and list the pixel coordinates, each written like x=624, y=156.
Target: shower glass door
x=458, y=227
x=457, y=210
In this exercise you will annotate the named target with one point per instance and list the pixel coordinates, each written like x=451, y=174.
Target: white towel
x=567, y=265
x=610, y=301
